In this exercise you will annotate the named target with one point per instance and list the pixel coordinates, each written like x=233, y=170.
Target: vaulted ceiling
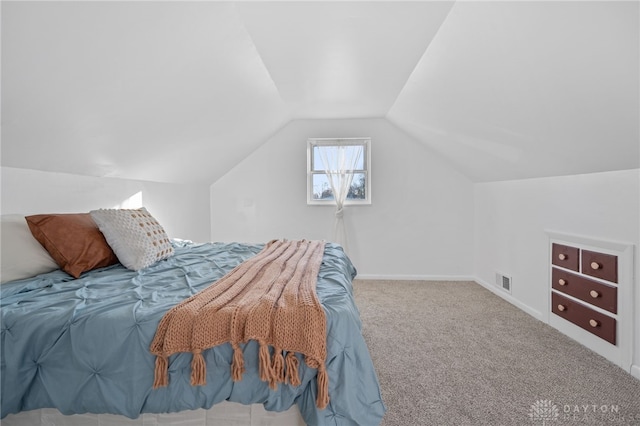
x=183, y=91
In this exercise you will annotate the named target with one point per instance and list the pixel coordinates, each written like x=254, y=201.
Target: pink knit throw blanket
x=270, y=298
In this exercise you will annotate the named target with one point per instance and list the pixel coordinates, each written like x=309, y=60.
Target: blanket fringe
x=323, y=388
x=265, y=362
x=237, y=366
x=277, y=367
x=161, y=373
x=198, y=369
x=293, y=377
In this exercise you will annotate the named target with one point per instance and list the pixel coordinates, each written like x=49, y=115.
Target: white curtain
x=339, y=163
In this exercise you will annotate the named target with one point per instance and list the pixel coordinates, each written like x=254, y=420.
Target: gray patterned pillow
x=135, y=236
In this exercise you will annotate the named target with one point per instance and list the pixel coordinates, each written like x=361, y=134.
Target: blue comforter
x=82, y=345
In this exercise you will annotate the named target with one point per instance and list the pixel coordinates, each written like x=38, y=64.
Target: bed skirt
x=223, y=414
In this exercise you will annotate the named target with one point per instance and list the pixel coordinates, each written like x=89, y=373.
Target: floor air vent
x=503, y=282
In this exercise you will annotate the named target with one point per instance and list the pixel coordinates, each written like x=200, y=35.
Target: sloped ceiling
x=183, y=91
x=510, y=90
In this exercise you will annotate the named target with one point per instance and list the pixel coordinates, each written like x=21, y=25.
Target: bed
x=80, y=346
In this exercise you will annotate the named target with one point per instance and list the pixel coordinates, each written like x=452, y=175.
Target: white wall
x=418, y=225
x=511, y=218
x=183, y=210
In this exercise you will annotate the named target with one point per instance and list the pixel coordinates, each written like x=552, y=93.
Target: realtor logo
x=545, y=411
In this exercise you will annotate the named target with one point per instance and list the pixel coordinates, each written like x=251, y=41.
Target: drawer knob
x=595, y=265
x=561, y=308
x=562, y=282
x=562, y=256
x=594, y=294
x=593, y=323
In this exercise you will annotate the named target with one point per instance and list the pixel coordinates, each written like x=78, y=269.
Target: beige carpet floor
x=453, y=353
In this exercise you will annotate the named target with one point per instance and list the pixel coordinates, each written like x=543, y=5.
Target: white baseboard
x=635, y=371
x=415, y=277
x=506, y=296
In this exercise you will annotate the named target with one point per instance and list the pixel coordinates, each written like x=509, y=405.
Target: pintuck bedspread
x=82, y=345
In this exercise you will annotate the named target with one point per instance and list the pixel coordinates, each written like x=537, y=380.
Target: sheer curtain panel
x=340, y=162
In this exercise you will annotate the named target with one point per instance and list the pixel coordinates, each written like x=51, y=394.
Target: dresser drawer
x=594, y=322
x=565, y=256
x=595, y=293
x=600, y=265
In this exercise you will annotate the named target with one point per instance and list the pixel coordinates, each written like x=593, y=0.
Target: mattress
x=82, y=345
x=223, y=414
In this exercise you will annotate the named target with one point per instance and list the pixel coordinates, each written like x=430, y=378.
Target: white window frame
x=365, y=142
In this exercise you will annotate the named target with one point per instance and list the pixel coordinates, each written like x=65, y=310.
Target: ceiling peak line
x=424, y=55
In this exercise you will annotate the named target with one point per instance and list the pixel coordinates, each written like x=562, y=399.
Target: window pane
x=321, y=187
x=338, y=156
x=358, y=187
x=318, y=165
x=356, y=152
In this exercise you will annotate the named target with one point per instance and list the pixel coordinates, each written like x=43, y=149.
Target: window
x=346, y=162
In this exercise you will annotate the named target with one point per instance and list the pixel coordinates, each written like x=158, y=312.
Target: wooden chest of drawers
x=584, y=289
x=592, y=295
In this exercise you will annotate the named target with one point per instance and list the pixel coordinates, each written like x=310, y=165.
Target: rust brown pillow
x=73, y=240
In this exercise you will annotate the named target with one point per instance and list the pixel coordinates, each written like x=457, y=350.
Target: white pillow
x=21, y=255
x=135, y=236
